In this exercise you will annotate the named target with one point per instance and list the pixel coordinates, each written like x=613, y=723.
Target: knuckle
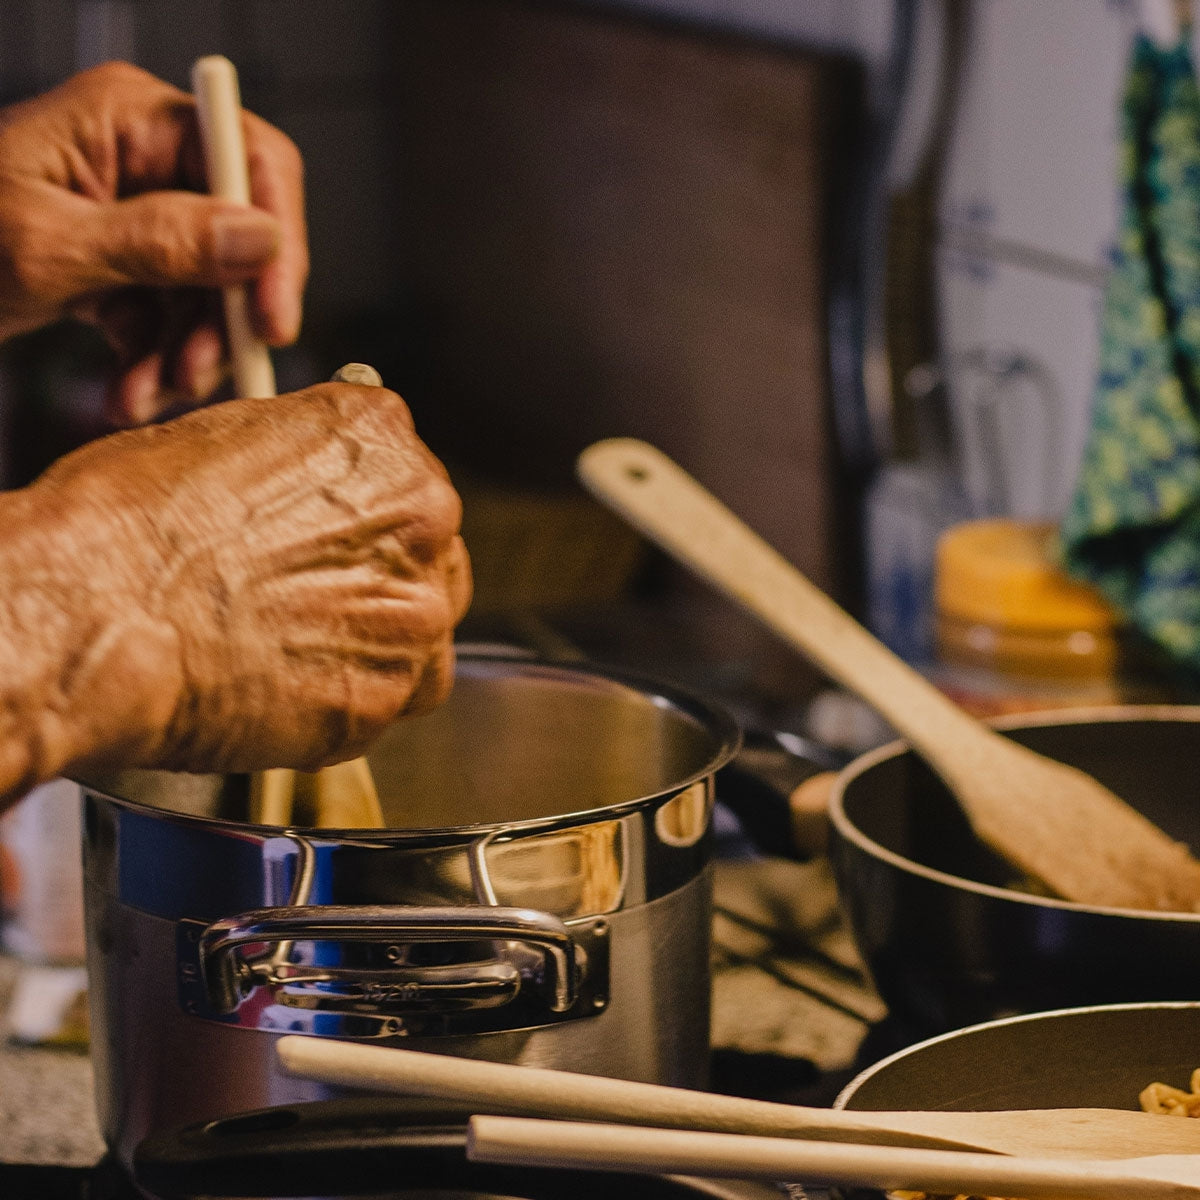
x=160, y=247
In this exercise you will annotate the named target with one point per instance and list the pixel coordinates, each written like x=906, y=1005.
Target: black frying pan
x=942, y=923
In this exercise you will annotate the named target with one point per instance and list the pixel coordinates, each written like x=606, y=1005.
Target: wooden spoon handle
x=219, y=113
x=219, y=110
x=539, y=1092
x=346, y=797
x=569, y=1145
x=670, y=508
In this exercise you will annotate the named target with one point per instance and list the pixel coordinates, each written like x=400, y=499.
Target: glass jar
x=1014, y=633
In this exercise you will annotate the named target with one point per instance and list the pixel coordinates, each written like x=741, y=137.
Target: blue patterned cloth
x=1133, y=526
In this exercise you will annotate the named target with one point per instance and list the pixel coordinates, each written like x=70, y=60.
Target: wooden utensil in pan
x=1095, y=1133
x=344, y=795
x=520, y=1141
x=1055, y=823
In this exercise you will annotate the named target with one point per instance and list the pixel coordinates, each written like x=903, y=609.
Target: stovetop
x=794, y=1017
x=107, y=1181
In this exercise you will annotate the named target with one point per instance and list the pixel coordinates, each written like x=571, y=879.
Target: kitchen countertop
x=46, y=1108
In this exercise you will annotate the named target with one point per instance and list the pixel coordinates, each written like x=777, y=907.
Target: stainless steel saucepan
x=541, y=894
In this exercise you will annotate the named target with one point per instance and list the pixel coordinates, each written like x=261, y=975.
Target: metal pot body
x=948, y=935
x=541, y=894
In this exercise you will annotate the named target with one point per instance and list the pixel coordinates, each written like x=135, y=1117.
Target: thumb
x=172, y=239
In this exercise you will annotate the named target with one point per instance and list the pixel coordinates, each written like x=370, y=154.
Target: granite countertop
x=46, y=1108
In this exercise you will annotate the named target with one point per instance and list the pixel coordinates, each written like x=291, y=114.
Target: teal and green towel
x=1133, y=526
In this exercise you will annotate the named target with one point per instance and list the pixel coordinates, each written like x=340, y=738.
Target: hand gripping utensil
x=345, y=794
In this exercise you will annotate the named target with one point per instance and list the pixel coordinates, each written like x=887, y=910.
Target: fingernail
x=244, y=239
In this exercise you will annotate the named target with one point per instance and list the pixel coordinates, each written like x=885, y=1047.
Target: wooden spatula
x=1053, y=822
x=345, y=795
x=568, y=1145
x=490, y=1087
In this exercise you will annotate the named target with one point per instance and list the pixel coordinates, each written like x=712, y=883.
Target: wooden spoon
x=219, y=112
x=538, y=1092
x=345, y=794
x=572, y=1146
x=1052, y=821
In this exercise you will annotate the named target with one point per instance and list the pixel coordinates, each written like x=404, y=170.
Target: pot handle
x=762, y=787
x=534, y=946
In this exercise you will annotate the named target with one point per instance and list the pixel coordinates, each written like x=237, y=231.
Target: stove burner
x=358, y=1147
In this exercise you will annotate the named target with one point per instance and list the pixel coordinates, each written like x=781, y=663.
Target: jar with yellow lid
x=1014, y=633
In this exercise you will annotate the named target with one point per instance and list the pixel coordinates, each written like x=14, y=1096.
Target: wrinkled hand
x=258, y=583
x=101, y=218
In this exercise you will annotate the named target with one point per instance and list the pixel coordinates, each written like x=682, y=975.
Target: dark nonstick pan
x=947, y=931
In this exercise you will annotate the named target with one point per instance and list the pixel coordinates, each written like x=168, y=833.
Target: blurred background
x=843, y=259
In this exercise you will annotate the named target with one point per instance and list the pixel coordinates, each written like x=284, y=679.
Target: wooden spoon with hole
x=345, y=794
x=1052, y=821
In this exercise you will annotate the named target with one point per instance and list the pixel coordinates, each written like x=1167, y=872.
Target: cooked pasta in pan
x=1173, y=1101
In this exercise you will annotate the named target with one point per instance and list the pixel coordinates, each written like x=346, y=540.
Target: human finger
x=435, y=681
x=135, y=395
x=167, y=345
x=199, y=365
x=170, y=239
x=277, y=186
x=459, y=581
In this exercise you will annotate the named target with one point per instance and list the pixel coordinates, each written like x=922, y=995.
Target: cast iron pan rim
x=1126, y=714
x=846, y=1095
x=726, y=733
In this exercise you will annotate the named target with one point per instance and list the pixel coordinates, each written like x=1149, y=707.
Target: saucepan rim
x=725, y=730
